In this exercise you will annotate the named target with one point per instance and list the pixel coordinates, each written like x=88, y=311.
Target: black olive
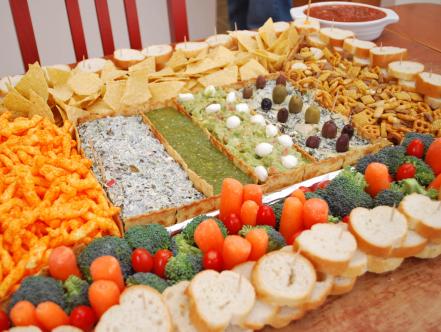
x=329, y=129
x=342, y=144
x=282, y=115
x=247, y=92
x=266, y=104
x=260, y=82
x=313, y=142
x=349, y=130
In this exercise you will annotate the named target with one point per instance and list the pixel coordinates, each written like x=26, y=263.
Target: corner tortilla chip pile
x=48, y=197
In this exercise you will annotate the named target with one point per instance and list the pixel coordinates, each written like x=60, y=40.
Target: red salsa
x=346, y=13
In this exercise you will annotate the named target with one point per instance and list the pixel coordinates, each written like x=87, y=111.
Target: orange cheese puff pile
x=48, y=197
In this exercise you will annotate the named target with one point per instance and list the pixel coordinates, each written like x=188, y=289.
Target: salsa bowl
x=366, y=21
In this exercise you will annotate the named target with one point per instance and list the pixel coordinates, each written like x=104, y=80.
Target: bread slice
x=192, y=49
x=381, y=56
x=357, y=266
x=423, y=215
x=335, y=36
x=328, y=247
x=235, y=328
x=280, y=27
x=161, y=53
x=313, y=40
x=219, y=299
x=408, y=85
x=322, y=289
x=25, y=329
x=127, y=57
x=283, y=278
x=382, y=265
x=67, y=328
x=93, y=65
x=357, y=47
x=177, y=302
x=307, y=26
x=285, y=315
x=405, y=70
x=434, y=103
x=220, y=39
x=412, y=245
x=429, y=84
x=287, y=248
x=342, y=285
x=432, y=250
x=262, y=312
x=378, y=230
x=140, y=306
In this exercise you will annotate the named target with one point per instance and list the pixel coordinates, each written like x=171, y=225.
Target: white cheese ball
x=263, y=149
x=262, y=173
x=213, y=108
x=271, y=130
x=289, y=161
x=259, y=119
x=233, y=122
x=299, y=66
x=231, y=97
x=210, y=91
x=285, y=140
x=186, y=97
x=242, y=108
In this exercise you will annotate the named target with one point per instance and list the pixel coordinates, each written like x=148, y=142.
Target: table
x=409, y=298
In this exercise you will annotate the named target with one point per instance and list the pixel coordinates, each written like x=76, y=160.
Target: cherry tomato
x=266, y=216
x=323, y=184
x=294, y=237
x=160, y=261
x=346, y=219
x=142, y=261
x=314, y=187
x=213, y=260
x=415, y=148
x=83, y=317
x=405, y=171
x=305, y=189
x=233, y=224
x=5, y=324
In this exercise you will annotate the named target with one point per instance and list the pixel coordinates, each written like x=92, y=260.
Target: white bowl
x=368, y=30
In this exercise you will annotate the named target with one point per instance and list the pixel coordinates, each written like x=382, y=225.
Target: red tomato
x=5, y=324
x=405, y=171
x=142, y=261
x=415, y=148
x=323, y=184
x=314, y=187
x=266, y=216
x=160, y=261
x=294, y=237
x=83, y=317
x=305, y=189
x=232, y=223
x=213, y=260
x=346, y=219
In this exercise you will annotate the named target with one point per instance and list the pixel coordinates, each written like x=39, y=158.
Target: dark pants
x=251, y=14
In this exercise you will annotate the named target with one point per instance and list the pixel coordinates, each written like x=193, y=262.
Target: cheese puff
x=6, y=161
x=66, y=143
x=88, y=183
x=9, y=204
x=37, y=252
x=52, y=194
x=104, y=223
x=68, y=190
x=15, y=276
x=51, y=172
x=63, y=211
x=24, y=157
x=31, y=150
x=21, y=125
x=11, y=155
x=81, y=167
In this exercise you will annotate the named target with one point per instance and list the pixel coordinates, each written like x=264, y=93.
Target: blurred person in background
x=251, y=14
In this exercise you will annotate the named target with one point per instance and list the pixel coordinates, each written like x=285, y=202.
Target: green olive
x=295, y=104
x=279, y=94
x=312, y=115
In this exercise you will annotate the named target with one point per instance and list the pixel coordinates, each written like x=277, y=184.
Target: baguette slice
x=322, y=289
x=429, y=84
x=262, y=312
x=93, y=65
x=285, y=315
x=280, y=27
x=307, y=26
x=220, y=39
x=405, y=70
x=423, y=215
x=161, y=53
x=313, y=40
x=140, y=306
x=219, y=299
x=412, y=245
x=357, y=266
x=127, y=57
x=378, y=230
x=328, y=247
x=236, y=328
x=381, y=56
x=382, y=265
x=287, y=248
x=177, y=302
x=342, y=285
x=67, y=328
x=25, y=329
x=432, y=250
x=408, y=85
x=434, y=103
x=335, y=36
x=357, y=47
x=192, y=49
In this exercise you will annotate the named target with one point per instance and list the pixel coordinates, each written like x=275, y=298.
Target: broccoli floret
x=391, y=156
x=275, y=239
x=424, y=173
x=432, y=193
x=427, y=139
x=189, y=230
x=76, y=292
x=334, y=220
x=354, y=176
x=107, y=245
x=148, y=279
x=152, y=237
x=363, y=162
x=180, y=246
x=411, y=185
x=37, y=289
x=183, y=267
x=277, y=208
x=388, y=197
x=319, y=193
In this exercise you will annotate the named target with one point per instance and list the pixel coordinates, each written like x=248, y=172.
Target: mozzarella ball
x=262, y=173
x=242, y=108
x=233, y=122
x=259, y=119
x=263, y=149
x=213, y=108
x=285, y=140
x=186, y=97
x=289, y=161
x=210, y=91
x=231, y=97
x=271, y=130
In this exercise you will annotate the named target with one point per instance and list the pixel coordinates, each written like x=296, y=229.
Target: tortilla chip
x=74, y=113
x=40, y=107
x=61, y=92
x=100, y=108
x=17, y=104
x=34, y=79
x=165, y=90
x=252, y=69
x=242, y=58
x=201, y=67
x=114, y=93
x=163, y=72
x=136, y=91
x=148, y=64
x=177, y=60
x=222, y=56
x=268, y=33
x=85, y=84
x=111, y=75
x=246, y=43
x=221, y=77
x=57, y=76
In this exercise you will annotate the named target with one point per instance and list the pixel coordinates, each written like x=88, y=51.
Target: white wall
x=52, y=33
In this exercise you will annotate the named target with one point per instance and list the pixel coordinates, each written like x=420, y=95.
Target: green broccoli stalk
x=275, y=239
x=410, y=186
x=423, y=173
x=76, y=292
x=183, y=267
x=107, y=245
x=180, y=246
x=152, y=237
x=38, y=289
x=188, y=231
x=147, y=279
x=333, y=220
x=427, y=139
x=389, y=197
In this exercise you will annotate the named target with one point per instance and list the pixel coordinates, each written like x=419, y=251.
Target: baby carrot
x=252, y=192
x=50, y=315
x=300, y=194
x=63, y=263
x=23, y=314
x=231, y=198
x=107, y=268
x=291, y=220
x=248, y=212
x=102, y=295
x=258, y=238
